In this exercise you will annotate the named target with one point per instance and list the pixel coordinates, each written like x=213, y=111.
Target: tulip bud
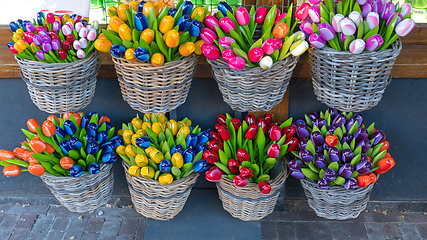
x=208, y=35
x=183, y=23
x=56, y=45
x=210, y=51
x=40, y=55
x=406, y=8
x=236, y=63
x=242, y=16
x=306, y=27
x=280, y=31
x=50, y=18
x=255, y=54
x=171, y=38
x=81, y=54
x=227, y=24
x=314, y=13
x=405, y=27
x=317, y=41
x=372, y=19
x=195, y=28
x=347, y=26
x=30, y=27
x=225, y=41
x=77, y=45
x=46, y=47
x=227, y=54
x=302, y=12
x=260, y=15
x=266, y=62
x=356, y=17
x=366, y=9
x=298, y=48
x=211, y=22
x=357, y=46
x=326, y=31
x=275, y=133
x=186, y=49
x=269, y=46
x=141, y=22
x=398, y=19
x=374, y=42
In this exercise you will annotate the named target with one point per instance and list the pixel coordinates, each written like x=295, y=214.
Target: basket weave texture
x=61, y=87
x=248, y=203
x=336, y=202
x=253, y=89
x=151, y=89
x=351, y=82
x=157, y=201
x=84, y=193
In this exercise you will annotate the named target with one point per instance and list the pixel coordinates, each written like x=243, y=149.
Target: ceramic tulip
x=227, y=54
x=210, y=51
x=317, y=41
x=405, y=27
x=226, y=41
x=357, y=46
x=208, y=36
x=266, y=62
x=374, y=42
x=326, y=31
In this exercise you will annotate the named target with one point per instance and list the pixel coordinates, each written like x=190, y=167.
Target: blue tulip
x=60, y=132
x=92, y=129
x=143, y=142
x=188, y=155
x=187, y=8
x=184, y=23
x=177, y=148
x=200, y=148
x=116, y=141
x=107, y=125
x=172, y=11
x=191, y=140
x=200, y=166
x=19, y=22
x=24, y=24
x=94, y=168
x=69, y=127
x=85, y=121
x=223, y=7
x=64, y=146
x=118, y=51
x=165, y=166
x=10, y=44
x=107, y=147
x=102, y=137
x=203, y=137
x=90, y=138
x=109, y=158
x=141, y=6
x=13, y=26
x=40, y=21
x=92, y=148
x=141, y=22
x=76, y=171
x=75, y=143
x=142, y=54
x=40, y=14
x=195, y=28
x=84, y=22
x=90, y=114
x=73, y=16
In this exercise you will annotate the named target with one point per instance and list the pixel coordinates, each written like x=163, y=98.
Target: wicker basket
x=157, y=201
x=351, y=82
x=248, y=203
x=253, y=89
x=61, y=87
x=84, y=193
x=336, y=202
x=152, y=89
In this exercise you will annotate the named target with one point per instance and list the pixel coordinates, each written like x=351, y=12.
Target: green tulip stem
x=293, y=26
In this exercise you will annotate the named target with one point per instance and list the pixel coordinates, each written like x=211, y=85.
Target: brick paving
x=56, y=222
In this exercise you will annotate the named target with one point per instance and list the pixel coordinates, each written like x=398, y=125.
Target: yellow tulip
x=186, y=49
x=147, y=117
x=157, y=128
x=165, y=178
x=134, y=171
x=65, y=17
x=147, y=7
x=110, y=28
x=141, y=132
x=147, y=172
x=159, y=5
x=146, y=125
x=198, y=11
x=130, y=55
x=137, y=122
x=141, y=160
x=20, y=32
x=20, y=45
x=129, y=151
x=185, y=130
x=156, y=156
x=134, y=5
x=181, y=124
x=150, y=149
x=166, y=24
x=70, y=20
x=148, y=35
x=125, y=32
x=121, y=150
x=177, y=160
x=121, y=10
x=103, y=45
x=172, y=126
x=120, y=133
x=127, y=136
x=111, y=10
x=157, y=59
x=189, y=122
x=160, y=117
x=171, y=38
x=198, y=46
x=115, y=22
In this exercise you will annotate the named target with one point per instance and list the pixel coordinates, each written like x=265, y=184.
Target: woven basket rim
x=42, y=64
x=337, y=188
x=52, y=177
x=149, y=65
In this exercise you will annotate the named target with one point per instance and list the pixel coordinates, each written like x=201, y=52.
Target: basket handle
x=352, y=93
x=144, y=195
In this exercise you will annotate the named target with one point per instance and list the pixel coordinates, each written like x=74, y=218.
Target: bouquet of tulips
x=153, y=32
x=67, y=146
x=354, y=26
x=53, y=39
x=336, y=148
x=161, y=149
x=230, y=35
x=246, y=151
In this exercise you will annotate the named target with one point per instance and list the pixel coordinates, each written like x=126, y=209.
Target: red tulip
x=268, y=118
x=218, y=126
x=215, y=136
x=292, y=144
x=224, y=133
x=246, y=173
x=222, y=119
x=211, y=156
x=275, y=133
x=70, y=38
x=262, y=124
x=302, y=11
x=62, y=54
x=213, y=175
x=274, y=150
x=264, y=187
x=289, y=131
x=239, y=181
x=66, y=45
x=236, y=123
x=250, y=119
x=233, y=165
x=50, y=18
x=260, y=15
x=242, y=155
x=251, y=132
x=216, y=145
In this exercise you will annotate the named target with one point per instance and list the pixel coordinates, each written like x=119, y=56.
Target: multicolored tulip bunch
x=336, y=148
x=246, y=151
x=53, y=39
x=230, y=35
x=354, y=26
x=153, y=32
x=70, y=145
x=161, y=149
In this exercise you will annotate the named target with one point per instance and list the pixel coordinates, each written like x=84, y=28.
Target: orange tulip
x=103, y=45
x=12, y=170
x=32, y=124
x=115, y=22
x=171, y=38
x=280, y=31
x=36, y=169
x=48, y=128
x=6, y=155
x=148, y=35
x=121, y=10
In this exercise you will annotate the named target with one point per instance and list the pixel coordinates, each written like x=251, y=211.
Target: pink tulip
x=255, y=54
x=77, y=45
x=314, y=13
x=237, y=63
x=347, y=26
x=269, y=46
x=80, y=53
x=274, y=150
x=211, y=22
x=242, y=16
x=91, y=35
x=208, y=35
x=83, y=43
x=405, y=27
x=227, y=24
x=83, y=32
x=225, y=41
x=389, y=9
x=260, y=14
x=366, y=9
x=66, y=30
x=316, y=41
x=210, y=51
x=227, y=54
x=356, y=17
x=374, y=42
x=406, y=9
x=326, y=31
x=280, y=17
x=373, y=19
x=78, y=26
x=336, y=22
x=306, y=27
x=357, y=46
x=279, y=43
x=302, y=12
x=398, y=19
x=314, y=2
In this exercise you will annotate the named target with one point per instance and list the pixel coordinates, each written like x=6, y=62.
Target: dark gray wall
x=401, y=114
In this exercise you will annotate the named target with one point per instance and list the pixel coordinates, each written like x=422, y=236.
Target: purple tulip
x=318, y=150
x=30, y=27
x=302, y=143
x=377, y=136
x=210, y=51
x=330, y=174
x=398, y=19
x=359, y=118
x=366, y=9
x=227, y=24
x=46, y=39
x=347, y=155
x=306, y=155
x=347, y=26
x=255, y=54
x=372, y=19
x=377, y=6
x=56, y=26
x=314, y=13
x=365, y=144
x=295, y=164
x=242, y=16
x=363, y=157
x=364, y=167
x=326, y=31
x=211, y=22
x=346, y=170
x=405, y=27
x=334, y=154
x=320, y=161
x=346, y=138
x=360, y=134
x=331, y=129
x=317, y=138
x=269, y=46
x=314, y=115
x=349, y=124
x=339, y=120
x=333, y=112
x=297, y=174
x=306, y=27
x=406, y=8
x=389, y=9
x=320, y=122
x=326, y=147
x=350, y=183
x=361, y=2
x=46, y=47
x=225, y=41
x=356, y=17
x=302, y=131
x=208, y=35
x=40, y=55
x=37, y=40
x=374, y=42
x=357, y=46
x=323, y=184
x=299, y=121
x=56, y=44
x=227, y=54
